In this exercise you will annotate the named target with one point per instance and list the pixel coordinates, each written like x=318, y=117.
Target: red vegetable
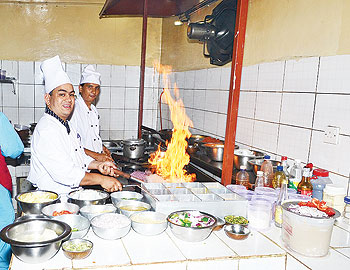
x=320, y=205
x=330, y=212
x=63, y=212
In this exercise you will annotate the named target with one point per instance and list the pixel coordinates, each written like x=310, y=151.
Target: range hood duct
x=216, y=32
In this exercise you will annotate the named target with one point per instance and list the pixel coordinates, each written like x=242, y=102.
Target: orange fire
x=170, y=165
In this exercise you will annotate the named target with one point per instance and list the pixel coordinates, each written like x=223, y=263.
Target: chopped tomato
x=302, y=203
x=329, y=211
x=63, y=212
x=322, y=206
x=310, y=204
x=315, y=202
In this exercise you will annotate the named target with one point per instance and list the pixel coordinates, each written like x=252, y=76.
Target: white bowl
x=111, y=226
x=50, y=209
x=80, y=225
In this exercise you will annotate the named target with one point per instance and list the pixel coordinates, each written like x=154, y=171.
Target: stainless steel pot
x=147, y=136
x=133, y=148
x=215, y=151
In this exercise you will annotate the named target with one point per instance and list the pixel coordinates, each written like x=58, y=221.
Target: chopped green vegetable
x=236, y=220
x=75, y=230
x=129, y=199
x=76, y=247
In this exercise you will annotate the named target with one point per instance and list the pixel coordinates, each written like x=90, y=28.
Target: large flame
x=170, y=165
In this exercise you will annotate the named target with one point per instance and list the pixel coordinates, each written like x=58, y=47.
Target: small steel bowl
x=134, y=207
x=34, y=208
x=58, y=207
x=37, y=251
x=149, y=222
x=83, y=202
x=77, y=255
x=237, y=231
x=227, y=220
x=119, y=196
x=80, y=225
x=220, y=223
x=91, y=211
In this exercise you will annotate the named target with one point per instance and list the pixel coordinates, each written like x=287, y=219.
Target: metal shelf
x=11, y=81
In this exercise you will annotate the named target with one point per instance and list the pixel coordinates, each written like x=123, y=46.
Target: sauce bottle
x=305, y=186
x=267, y=169
x=283, y=195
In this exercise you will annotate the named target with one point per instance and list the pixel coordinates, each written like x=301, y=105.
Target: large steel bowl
x=119, y=196
x=149, y=222
x=40, y=251
x=191, y=234
x=84, y=202
x=34, y=208
x=111, y=226
x=80, y=225
x=241, y=158
x=256, y=164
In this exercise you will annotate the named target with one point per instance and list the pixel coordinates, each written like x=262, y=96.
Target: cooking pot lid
x=134, y=141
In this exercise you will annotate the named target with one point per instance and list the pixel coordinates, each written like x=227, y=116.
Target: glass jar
x=334, y=197
x=346, y=212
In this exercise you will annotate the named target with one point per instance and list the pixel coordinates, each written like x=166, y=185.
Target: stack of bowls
x=34, y=248
x=50, y=210
x=242, y=156
x=119, y=196
x=128, y=208
x=85, y=197
x=32, y=202
x=91, y=211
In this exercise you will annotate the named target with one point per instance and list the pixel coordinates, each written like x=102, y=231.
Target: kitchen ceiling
x=156, y=8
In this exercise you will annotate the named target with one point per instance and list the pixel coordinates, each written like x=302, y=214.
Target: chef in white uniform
x=85, y=117
x=58, y=161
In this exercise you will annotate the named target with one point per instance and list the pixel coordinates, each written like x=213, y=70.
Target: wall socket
x=331, y=135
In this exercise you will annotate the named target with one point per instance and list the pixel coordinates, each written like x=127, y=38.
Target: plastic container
x=236, y=188
x=334, y=196
x=242, y=177
x=289, y=191
x=306, y=235
x=247, y=194
x=319, y=181
x=295, y=174
x=267, y=169
x=299, y=197
x=259, y=214
x=263, y=190
x=346, y=212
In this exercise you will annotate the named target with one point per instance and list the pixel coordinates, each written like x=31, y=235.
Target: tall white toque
x=54, y=74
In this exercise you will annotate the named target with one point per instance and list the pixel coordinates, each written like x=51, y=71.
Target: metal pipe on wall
x=142, y=71
x=235, y=87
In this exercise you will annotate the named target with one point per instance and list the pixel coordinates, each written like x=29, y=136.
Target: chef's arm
x=98, y=156
x=106, y=151
x=110, y=184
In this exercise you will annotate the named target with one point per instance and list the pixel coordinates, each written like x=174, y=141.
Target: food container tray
x=169, y=197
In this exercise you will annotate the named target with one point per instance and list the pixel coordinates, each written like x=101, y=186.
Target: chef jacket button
x=84, y=165
x=94, y=139
x=92, y=125
x=80, y=146
x=95, y=125
x=76, y=149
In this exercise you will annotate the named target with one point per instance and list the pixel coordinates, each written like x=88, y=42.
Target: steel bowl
x=83, y=202
x=215, y=151
x=237, y=231
x=35, y=251
x=219, y=224
x=34, y=208
x=29, y=217
x=195, y=139
x=134, y=207
x=256, y=164
x=149, y=222
x=75, y=254
x=241, y=158
x=114, y=226
x=80, y=225
x=91, y=211
x=134, y=148
x=119, y=196
x=191, y=234
x=58, y=207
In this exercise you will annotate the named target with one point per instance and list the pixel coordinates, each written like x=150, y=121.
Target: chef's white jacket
x=87, y=124
x=58, y=161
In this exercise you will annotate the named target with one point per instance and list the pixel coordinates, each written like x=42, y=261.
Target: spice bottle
x=346, y=212
x=267, y=169
x=283, y=195
x=242, y=177
x=305, y=186
x=295, y=174
x=278, y=177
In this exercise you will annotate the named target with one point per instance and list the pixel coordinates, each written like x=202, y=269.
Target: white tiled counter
x=261, y=250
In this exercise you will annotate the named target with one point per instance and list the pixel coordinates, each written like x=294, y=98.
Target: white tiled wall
x=117, y=103
x=284, y=108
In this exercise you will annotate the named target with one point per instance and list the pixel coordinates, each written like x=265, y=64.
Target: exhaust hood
x=155, y=8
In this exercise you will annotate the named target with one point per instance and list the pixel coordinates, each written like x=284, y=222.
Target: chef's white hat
x=90, y=75
x=54, y=74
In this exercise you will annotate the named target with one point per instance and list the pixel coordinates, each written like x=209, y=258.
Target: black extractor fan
x=216, y=32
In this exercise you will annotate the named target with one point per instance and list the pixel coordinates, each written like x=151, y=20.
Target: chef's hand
x=103, y=157
x=107, y=168
x=106, y=151
x=110, y=184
